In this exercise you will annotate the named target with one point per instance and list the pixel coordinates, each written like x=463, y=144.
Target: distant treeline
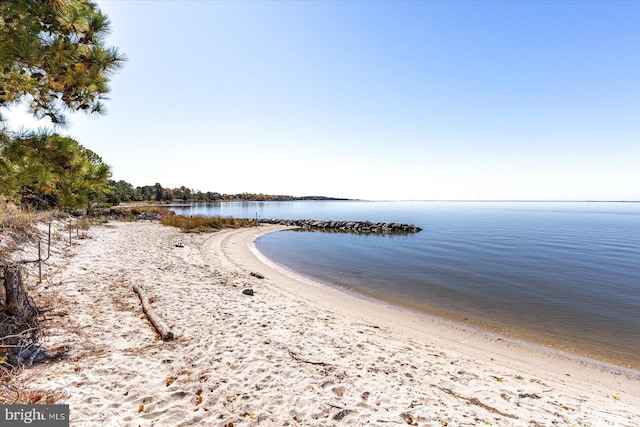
x=124, y=192
x=42, y=170
x=48, y=171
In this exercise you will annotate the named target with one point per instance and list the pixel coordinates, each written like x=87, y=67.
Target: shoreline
x=448, y=325
x=294, y=353
x=563, y=347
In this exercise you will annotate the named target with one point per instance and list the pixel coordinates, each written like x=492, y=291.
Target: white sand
x=295, y=353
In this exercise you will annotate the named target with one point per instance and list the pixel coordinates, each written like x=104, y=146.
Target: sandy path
x=295, y=353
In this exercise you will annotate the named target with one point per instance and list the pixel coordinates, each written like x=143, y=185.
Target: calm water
x=562, y=274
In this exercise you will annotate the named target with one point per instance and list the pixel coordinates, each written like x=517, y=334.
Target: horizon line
x=500, y=200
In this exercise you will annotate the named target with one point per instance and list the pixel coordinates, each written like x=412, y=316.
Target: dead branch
x=477, y=402
x=295, y=356
x=8, y=393
x=20, y=335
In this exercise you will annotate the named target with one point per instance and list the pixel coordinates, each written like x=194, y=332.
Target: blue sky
x=376, y=100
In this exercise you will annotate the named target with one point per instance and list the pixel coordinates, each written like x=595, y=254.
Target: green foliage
x=121, y=192
x=202, y=223
x=48, y=171
x=52, y=55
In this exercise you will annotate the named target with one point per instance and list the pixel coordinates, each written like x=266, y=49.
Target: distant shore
x=295, y=352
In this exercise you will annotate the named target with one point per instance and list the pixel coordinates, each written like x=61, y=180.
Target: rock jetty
x=347, y=226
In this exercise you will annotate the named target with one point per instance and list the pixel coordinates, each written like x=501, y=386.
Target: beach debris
x=339, y=391
x=179, y=245
x=408, y=418
x=340, y=415
x=257, y=275
x=248, y=291
x=295, y=356
x=528, y=395
x=158, y=324
x=477, y=402
x=170, y=380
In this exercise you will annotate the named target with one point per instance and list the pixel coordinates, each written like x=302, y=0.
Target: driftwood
x=299, y=359
x=157, y=323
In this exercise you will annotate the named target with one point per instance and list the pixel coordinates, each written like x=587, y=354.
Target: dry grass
x=18, y=337
x=137, y=210
x=18, y=228
x=203, y=223
x=18, y=348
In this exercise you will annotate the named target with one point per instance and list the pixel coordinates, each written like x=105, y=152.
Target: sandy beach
x=293, y=353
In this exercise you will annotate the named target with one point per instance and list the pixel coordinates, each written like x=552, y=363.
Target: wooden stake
x=39, y=261
x=49, y=242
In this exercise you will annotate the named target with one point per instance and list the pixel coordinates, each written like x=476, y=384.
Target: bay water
x=561, y=274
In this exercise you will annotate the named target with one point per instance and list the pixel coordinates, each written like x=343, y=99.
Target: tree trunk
x=17, y=300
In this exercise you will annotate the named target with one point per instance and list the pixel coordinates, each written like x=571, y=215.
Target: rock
x=258, y=275
x=340, y=415
x=366, y=227
x=248, y=292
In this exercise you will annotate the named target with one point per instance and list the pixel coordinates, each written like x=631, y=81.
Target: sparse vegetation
x=19, y=321
x=203, y=223
x=138, y=210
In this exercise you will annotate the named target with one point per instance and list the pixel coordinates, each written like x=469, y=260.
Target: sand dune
x=294, y=353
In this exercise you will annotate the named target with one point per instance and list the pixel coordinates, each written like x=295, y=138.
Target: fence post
x=49, y=242
x=39, y=261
